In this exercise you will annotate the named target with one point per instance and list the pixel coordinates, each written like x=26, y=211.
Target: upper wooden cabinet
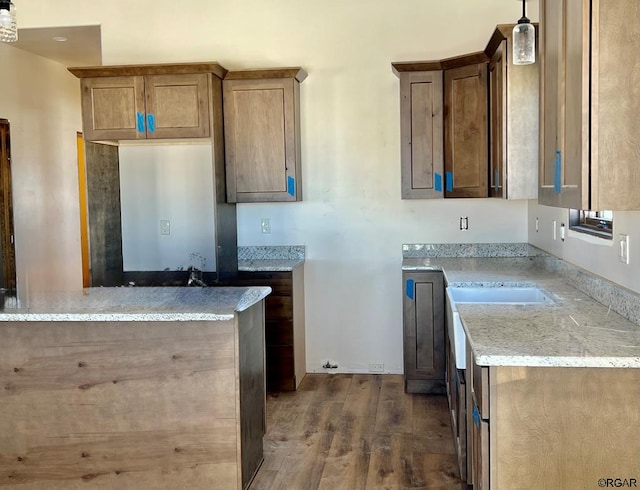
x=590, y=108
x=421, y=130
x=443, y=126
x=147, y=101
x=513, y=120
x=465, y=134
x=262, y=135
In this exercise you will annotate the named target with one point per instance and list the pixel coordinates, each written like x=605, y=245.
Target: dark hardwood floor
x=349, y=432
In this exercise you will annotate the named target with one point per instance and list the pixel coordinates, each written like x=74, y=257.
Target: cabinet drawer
x=278, y=307
x=280, y=368
x=279, y=332
x=480, y=451
x=480, y=387
x=281, y=283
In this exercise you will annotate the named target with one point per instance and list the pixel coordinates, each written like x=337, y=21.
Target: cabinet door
x=262, y=140
x=615, y=65
x=177, y=106
x=466, y=153
x=497, y=122
x=113, y=108
x=421, y=128
x=480, y=451
x=424, y=357
x=565, y=78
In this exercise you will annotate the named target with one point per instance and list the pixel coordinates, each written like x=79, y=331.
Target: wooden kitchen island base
x=132, y=404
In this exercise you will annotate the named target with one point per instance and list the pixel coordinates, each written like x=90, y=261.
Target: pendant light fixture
x=524, y=40
x=8, y=25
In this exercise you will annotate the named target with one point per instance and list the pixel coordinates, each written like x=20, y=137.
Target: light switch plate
x=623, y=248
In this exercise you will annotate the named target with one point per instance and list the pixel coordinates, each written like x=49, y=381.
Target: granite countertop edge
x=118, y=304
x=269, y=265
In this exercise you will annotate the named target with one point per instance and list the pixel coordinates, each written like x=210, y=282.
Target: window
x=597, y=223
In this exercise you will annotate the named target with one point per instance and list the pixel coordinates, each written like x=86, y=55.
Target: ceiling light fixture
x=524, y=40
x=8, y=25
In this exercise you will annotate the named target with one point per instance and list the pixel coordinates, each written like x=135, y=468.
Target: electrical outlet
x=623, y=244
x=376, y=367
x=266, y=225
x=165, y=227
x=464, y=223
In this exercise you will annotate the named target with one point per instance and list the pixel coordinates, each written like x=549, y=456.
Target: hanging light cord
x=523, y=19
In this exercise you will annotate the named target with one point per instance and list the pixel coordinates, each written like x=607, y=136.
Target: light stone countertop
x=576, y=331
x=138, y=304
x=269, y=265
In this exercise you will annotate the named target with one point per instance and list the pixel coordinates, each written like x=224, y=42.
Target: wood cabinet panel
x=563, y=427
x=421, y=128
x=497, y=120
x=145, y=106
x=424, y=357
x=457, y=399
x=115, y=404
x=260, y=140
x=513, y=120
x=589, y=105
x=480, y=464
x=262, y=137
x=284, y=325
x=281, y=375
x=251, y=390
x=279, y=282
x=465, y=135
x=113, y=107
x=279, y=332
x=179, y=105
x=279, y=307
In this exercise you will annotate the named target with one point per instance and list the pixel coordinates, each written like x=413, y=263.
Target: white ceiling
x=82, y=48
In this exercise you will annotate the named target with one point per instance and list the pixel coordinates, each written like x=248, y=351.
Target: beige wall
x=593, y=254
x=42, y=102
x=352, y=218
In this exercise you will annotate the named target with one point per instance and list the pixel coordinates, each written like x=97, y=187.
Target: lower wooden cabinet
x=423, y=318
x=284, y=326
x=478, y=421
x=552, y=427
x=457, y=398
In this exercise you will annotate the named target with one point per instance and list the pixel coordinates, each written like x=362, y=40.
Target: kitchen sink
x=484, y=295
x=501, y=295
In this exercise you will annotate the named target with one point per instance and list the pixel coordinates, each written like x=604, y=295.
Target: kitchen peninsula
x=134, y=388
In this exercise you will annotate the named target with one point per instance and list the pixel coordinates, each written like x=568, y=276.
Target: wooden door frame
x=84, y=218
x=7, y=242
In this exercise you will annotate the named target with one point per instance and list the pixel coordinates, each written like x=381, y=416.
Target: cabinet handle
x=496, y=180
x=140, y=122
x=409, y=289
x=151, y=123
x=476, y=416
x=449, y=179
x=557, y=174
x=291, y=186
